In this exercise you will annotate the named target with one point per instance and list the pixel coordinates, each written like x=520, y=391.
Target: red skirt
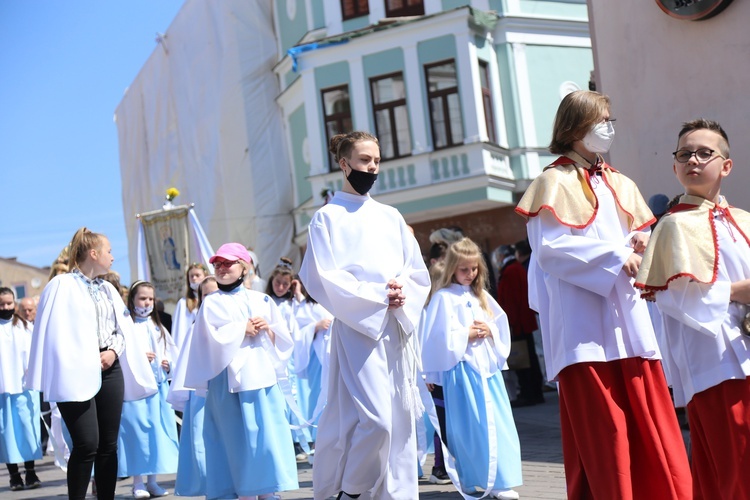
x=620, y=435
x=720, y=434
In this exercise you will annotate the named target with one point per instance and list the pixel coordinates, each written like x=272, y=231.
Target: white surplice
x=64, y=361
x=366, y=443
x=218, y=341
x=588, y=308
x=182, y=321
x=308, y=341
x=702, y=326
x=15, y=342
x=446, y=332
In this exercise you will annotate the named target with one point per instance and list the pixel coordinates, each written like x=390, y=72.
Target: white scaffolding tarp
x=201, y=116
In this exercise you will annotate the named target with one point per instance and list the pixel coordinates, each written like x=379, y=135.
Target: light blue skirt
x=148, y=442
x=308, y=391
x=191, y=472
x=466, y=425
x=20, y=436
x=249, y=449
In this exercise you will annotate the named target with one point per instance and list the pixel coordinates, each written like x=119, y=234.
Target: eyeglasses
x=702, y=155
x=226, y=264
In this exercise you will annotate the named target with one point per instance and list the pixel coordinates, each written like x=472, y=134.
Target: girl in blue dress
x=191, y=469
x=282, y=288
x=19, y=409
x=467, y=339
x=238, y=351
x=148, y=443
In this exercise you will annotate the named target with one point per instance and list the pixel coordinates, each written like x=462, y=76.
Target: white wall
x=661, y=72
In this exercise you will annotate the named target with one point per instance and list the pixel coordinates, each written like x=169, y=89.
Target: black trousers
x=530, y=381
x=94, y=426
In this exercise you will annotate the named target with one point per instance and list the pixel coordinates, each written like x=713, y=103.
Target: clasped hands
x=255, y=325
x=396, y=297
x=479, y=330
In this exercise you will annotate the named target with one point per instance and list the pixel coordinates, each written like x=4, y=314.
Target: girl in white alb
x=187, y=306
x=467, y=340
x=148, y=443
x=20, y=438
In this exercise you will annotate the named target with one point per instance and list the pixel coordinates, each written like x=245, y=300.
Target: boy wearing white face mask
x=588, y=225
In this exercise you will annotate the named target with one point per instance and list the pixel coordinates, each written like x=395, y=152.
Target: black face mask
x=6, y=313
x=361, y=181
x=231, y=286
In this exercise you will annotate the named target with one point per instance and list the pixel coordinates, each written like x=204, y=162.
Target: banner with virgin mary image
x=166, y=239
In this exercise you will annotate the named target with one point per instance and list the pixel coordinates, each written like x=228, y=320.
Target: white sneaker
x=156, y=491
x=140, y=492
x=506, y=494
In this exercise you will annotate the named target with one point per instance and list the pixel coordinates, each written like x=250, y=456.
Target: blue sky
x=64, y=67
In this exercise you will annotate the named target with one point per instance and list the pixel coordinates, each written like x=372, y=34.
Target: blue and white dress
x=482, y=435
x=249, y=447
x=148, y=442
x=311, y=360
x=191, y=469
x=20, y=438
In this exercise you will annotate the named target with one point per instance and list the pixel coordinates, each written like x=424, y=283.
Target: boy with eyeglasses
x=697, y=268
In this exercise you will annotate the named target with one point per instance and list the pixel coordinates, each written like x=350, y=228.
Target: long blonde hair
x=436, y=275
x=82, y=243
x=465, y=249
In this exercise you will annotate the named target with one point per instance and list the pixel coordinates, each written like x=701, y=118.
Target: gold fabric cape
x=684, y=244
x=564, y=188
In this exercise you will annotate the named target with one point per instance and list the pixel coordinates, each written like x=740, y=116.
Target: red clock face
x=692, y=10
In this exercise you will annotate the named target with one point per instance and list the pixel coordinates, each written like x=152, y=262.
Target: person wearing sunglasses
x=697, y=268
x=238, y=352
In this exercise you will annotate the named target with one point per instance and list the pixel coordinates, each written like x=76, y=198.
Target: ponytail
x=82, y=243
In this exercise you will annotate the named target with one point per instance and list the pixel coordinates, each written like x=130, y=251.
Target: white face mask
x=143, y=312
x=195, y=286
x=600, y=137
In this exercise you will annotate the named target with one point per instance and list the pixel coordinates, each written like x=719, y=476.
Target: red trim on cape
x=526, y=214
x=564, y=160
x=681, y=207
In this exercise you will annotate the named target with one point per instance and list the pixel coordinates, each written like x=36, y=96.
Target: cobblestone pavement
x=541, y=452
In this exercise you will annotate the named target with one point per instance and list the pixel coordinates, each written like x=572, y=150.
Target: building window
x=337, y=116
x=489, y=117
x=354, y=8
x=445, y=107
x=391, y=116
x=398, y=8
x=20, y=291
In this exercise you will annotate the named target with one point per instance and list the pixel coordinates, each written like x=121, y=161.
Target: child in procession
x=311, y=353
x=20, y=440
x=191, y=467
x=148, y=443
x=238, y=351
x=187, y=306
x=80, y=358
x=587, y=225
x=467, y=340
x=697, y=268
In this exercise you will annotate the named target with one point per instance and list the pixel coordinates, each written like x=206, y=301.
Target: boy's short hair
x=578, y=112
x=703, y=124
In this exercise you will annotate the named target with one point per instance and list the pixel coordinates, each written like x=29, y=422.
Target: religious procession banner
x=166, y=237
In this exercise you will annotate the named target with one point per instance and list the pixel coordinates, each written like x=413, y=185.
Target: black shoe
x=342, y=493
x=16, y=482
x=32, y=480
x=439, y=476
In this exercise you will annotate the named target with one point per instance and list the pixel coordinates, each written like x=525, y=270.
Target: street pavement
x=541, y=452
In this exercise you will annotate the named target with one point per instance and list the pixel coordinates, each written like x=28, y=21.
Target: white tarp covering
x=201, y=116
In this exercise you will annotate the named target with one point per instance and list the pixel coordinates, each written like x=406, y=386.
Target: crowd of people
x=333, y=364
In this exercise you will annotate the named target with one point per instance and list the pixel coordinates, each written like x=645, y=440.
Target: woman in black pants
x=79, y=360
